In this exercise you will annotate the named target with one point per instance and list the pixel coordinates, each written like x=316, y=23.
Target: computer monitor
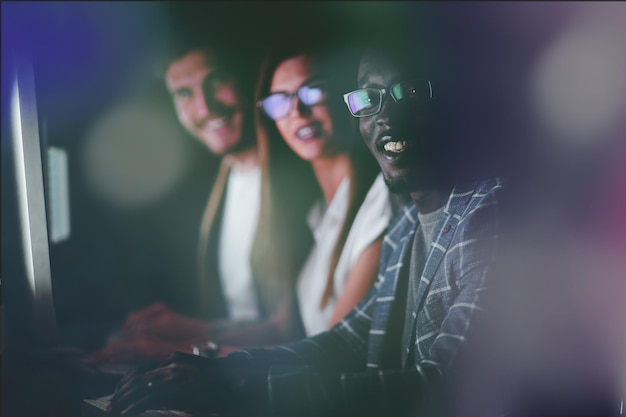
x=28, y=307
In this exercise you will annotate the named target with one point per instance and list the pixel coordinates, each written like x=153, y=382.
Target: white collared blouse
x=370, y=223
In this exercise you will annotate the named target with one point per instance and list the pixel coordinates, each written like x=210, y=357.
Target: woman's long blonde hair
x=289, y=185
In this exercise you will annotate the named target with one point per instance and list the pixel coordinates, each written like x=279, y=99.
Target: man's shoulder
x=477, y=188
x=467, y=196
x=464, y=199
x=479, y=210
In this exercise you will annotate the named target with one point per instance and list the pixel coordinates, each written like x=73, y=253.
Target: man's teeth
x=216, y=123
x=395, y=146
x=305, y=131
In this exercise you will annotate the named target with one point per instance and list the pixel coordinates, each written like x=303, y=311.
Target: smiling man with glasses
x=396, y=351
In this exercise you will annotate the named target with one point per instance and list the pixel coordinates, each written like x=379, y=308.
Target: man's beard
x=414, y=180
x=399, y=185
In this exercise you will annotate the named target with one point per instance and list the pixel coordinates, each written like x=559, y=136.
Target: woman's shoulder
x=378, y=191
x=376, y=205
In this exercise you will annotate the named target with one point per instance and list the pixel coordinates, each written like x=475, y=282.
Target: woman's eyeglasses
x=278, y=105
x=368, y=101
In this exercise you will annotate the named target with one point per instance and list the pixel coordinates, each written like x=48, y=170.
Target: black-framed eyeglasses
x=278, y=105
x=368, y=101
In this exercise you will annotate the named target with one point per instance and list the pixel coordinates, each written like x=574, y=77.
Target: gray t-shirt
x=419, y=253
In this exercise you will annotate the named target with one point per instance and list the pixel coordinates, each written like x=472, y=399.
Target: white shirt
x=369, y=224
x=241, y=214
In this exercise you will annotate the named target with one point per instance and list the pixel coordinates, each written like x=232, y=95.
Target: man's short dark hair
x=226, y=48
x=216, y=45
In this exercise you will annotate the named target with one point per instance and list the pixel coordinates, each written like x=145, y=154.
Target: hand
x=137, y=347
x=160, y=321
x=182, y=382
x=225, y=350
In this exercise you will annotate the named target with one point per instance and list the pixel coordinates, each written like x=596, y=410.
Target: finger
x=133, y=377
x=149, y=400
x=150, y=310
x=188, y=358
x=147, y=376
x=138, y=406
x=105, y=353
x=132, y=389
x=124, y=385
x=166, y=392
x=122, y=397
x=170, y=385
x=132, y=400
x=141, y=390
x=137, y=319
x=118, y=352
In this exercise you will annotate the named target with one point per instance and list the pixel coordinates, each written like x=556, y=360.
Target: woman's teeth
x=305, y=132
x=216, y=123
x=395, y=146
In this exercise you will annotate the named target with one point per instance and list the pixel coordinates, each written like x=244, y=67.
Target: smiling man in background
x=210, y=81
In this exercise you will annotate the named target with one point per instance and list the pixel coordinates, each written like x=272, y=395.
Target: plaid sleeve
x=317, y=375
x=306, y=391
x=326, y=374
x=343, y=347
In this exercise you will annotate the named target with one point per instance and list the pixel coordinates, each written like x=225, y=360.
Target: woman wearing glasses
x=311, y=152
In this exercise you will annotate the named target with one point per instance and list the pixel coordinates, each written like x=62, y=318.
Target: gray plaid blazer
x=450, y=286
x=356, y=363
